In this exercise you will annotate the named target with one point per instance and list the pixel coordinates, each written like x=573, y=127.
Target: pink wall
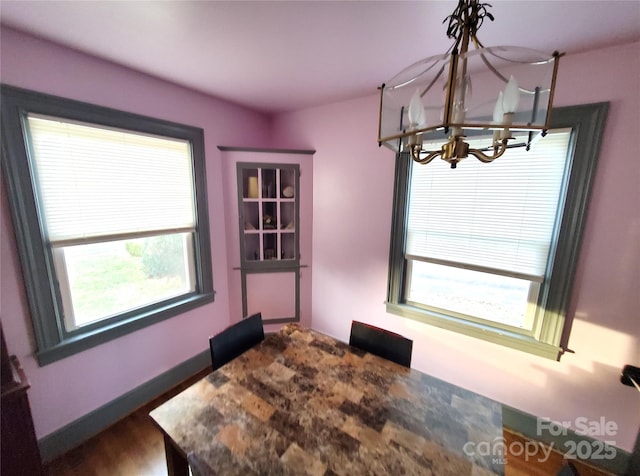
x=68, y=389
x=353, y=187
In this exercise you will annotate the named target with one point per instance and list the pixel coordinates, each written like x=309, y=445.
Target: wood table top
x=301, y=402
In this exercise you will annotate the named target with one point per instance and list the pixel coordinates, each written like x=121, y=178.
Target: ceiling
x=276, y=56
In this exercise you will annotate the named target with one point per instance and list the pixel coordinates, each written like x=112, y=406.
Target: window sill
x=85, y=340
x=495, y=335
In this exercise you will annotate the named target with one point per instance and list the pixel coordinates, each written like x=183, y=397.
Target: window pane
x=95, y=181
x=472, y=293
x=105, y=279
x=499, y=215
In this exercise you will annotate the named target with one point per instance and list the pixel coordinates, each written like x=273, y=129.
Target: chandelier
x=499, y=96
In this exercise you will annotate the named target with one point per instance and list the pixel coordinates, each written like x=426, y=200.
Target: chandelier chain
x=469, y=14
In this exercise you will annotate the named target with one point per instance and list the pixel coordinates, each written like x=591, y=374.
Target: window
x=489, y=250
x=110, y=213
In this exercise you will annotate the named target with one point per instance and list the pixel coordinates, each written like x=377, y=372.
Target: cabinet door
x=268, y=213
x=268, y=206
x=279, y=307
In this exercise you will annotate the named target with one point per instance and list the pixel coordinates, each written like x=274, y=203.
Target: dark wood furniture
x=301, y=402
x=20, y=453
x=381, y=342
x=236, y=339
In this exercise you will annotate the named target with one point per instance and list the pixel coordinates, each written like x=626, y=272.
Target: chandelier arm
x=415, y=155
x=498, y=152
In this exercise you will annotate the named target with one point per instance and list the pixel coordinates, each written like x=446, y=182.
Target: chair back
x=383, y=343
x=236, y=339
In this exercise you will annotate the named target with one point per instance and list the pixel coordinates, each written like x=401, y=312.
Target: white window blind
x=96, y=182
x=498, y=216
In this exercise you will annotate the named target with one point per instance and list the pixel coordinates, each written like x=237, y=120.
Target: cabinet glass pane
x=287, y=183
x=268, y=183
x=287, y=216
x=250, y=216
x=252, y=247
x=269, y=215
x=288, y=244
x=270, y=244
x=250, y=183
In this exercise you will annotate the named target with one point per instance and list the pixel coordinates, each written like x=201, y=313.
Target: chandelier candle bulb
x=511, y=97
x=510, y=102
x=497, y=110
x=416, y=111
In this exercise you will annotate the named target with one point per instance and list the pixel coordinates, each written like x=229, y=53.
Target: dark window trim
x=587, y=122
x=35, y=258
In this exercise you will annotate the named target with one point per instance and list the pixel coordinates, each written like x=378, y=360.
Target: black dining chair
x=236, y=339
x=383, y=343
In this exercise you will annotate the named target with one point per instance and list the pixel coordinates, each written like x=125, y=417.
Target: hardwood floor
x=539, y=465
x=131, y=447
x=134, y=447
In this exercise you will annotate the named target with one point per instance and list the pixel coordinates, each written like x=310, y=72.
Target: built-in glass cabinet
x=268, y=212
x=269, y=192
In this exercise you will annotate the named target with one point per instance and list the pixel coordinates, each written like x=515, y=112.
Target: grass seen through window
x=108, y=278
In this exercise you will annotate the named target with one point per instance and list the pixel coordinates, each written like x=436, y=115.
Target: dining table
x=304, y=403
